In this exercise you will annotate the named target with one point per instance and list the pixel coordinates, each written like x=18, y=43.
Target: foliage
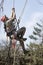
x=35, y=54
x=37, y=33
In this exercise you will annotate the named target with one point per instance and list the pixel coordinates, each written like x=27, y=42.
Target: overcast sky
x=32, y=14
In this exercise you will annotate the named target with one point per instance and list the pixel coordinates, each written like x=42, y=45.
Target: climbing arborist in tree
x=10, y=25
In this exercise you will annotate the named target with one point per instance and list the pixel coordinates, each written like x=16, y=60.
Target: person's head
x=4, y=18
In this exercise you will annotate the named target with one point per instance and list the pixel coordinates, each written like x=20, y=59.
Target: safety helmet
x=4, y=18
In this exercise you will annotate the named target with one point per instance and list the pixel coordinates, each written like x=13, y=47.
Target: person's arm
x=11, y=19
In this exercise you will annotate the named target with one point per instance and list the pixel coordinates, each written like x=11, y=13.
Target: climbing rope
x=20, y=17
x=40, y=2
x=23, y=10
x=13, y=3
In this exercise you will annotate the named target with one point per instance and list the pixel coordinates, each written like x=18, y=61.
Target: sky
x=33, y=12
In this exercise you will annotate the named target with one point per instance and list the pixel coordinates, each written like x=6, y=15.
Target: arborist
x=10, y=25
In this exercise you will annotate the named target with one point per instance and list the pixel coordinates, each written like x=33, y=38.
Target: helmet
x=4, y=18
